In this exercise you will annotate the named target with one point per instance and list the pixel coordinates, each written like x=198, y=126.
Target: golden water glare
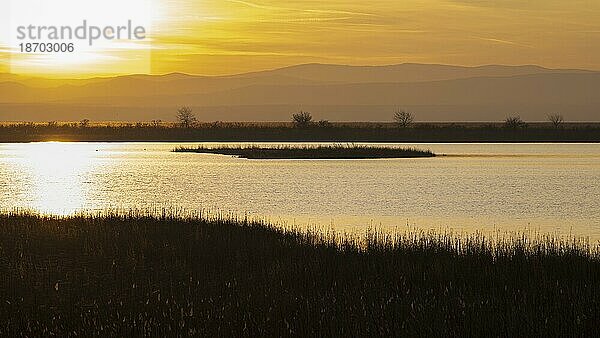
x=57, y=173
x=546, y=189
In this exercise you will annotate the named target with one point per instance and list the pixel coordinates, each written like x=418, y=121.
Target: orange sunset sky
x=223, y=37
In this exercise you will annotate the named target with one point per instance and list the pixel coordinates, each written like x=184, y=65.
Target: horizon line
x=73, y=78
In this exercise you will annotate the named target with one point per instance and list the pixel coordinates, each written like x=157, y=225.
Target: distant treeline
x=281, y=131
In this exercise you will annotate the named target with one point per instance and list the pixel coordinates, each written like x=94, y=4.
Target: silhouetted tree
x=324, y=124
x=403, y=118
x=556, y=119
x=302, y=119
x=514, y=122
x=186, y=117
x=84, y=123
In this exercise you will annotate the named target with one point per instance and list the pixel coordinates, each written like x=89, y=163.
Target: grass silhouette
x=133, y=274
x=311, y=152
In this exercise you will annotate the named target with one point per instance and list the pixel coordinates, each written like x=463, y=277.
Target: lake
x=546, y=188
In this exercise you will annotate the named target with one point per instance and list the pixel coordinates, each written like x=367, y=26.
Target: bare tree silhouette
x=514, y=122
x=186, y=117
x=403, y=118
x=557, y=120
x=302, y=119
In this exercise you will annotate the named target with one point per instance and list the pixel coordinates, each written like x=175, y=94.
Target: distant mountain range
x=333, y=92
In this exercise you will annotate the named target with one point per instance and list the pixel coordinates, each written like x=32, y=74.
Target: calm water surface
x=541, y=187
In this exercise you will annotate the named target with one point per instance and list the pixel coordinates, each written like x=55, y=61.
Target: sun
x=102, y=57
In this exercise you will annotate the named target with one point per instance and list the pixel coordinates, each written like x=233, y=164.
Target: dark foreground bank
x=310, y=152
x=133, y=275
x=286, y=132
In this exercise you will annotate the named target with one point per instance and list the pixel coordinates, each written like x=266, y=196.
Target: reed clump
x=336, y=151
x=125, y=274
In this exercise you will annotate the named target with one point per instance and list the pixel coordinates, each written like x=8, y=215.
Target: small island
x=310, y=152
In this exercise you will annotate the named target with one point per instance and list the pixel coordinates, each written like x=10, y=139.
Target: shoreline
x=285, y=132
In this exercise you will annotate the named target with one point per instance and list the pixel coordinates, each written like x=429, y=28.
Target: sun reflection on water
x=550, y=194
x=58, y=174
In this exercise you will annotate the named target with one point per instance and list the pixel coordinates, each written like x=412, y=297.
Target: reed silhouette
x=338, y=151
x=125, y=274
